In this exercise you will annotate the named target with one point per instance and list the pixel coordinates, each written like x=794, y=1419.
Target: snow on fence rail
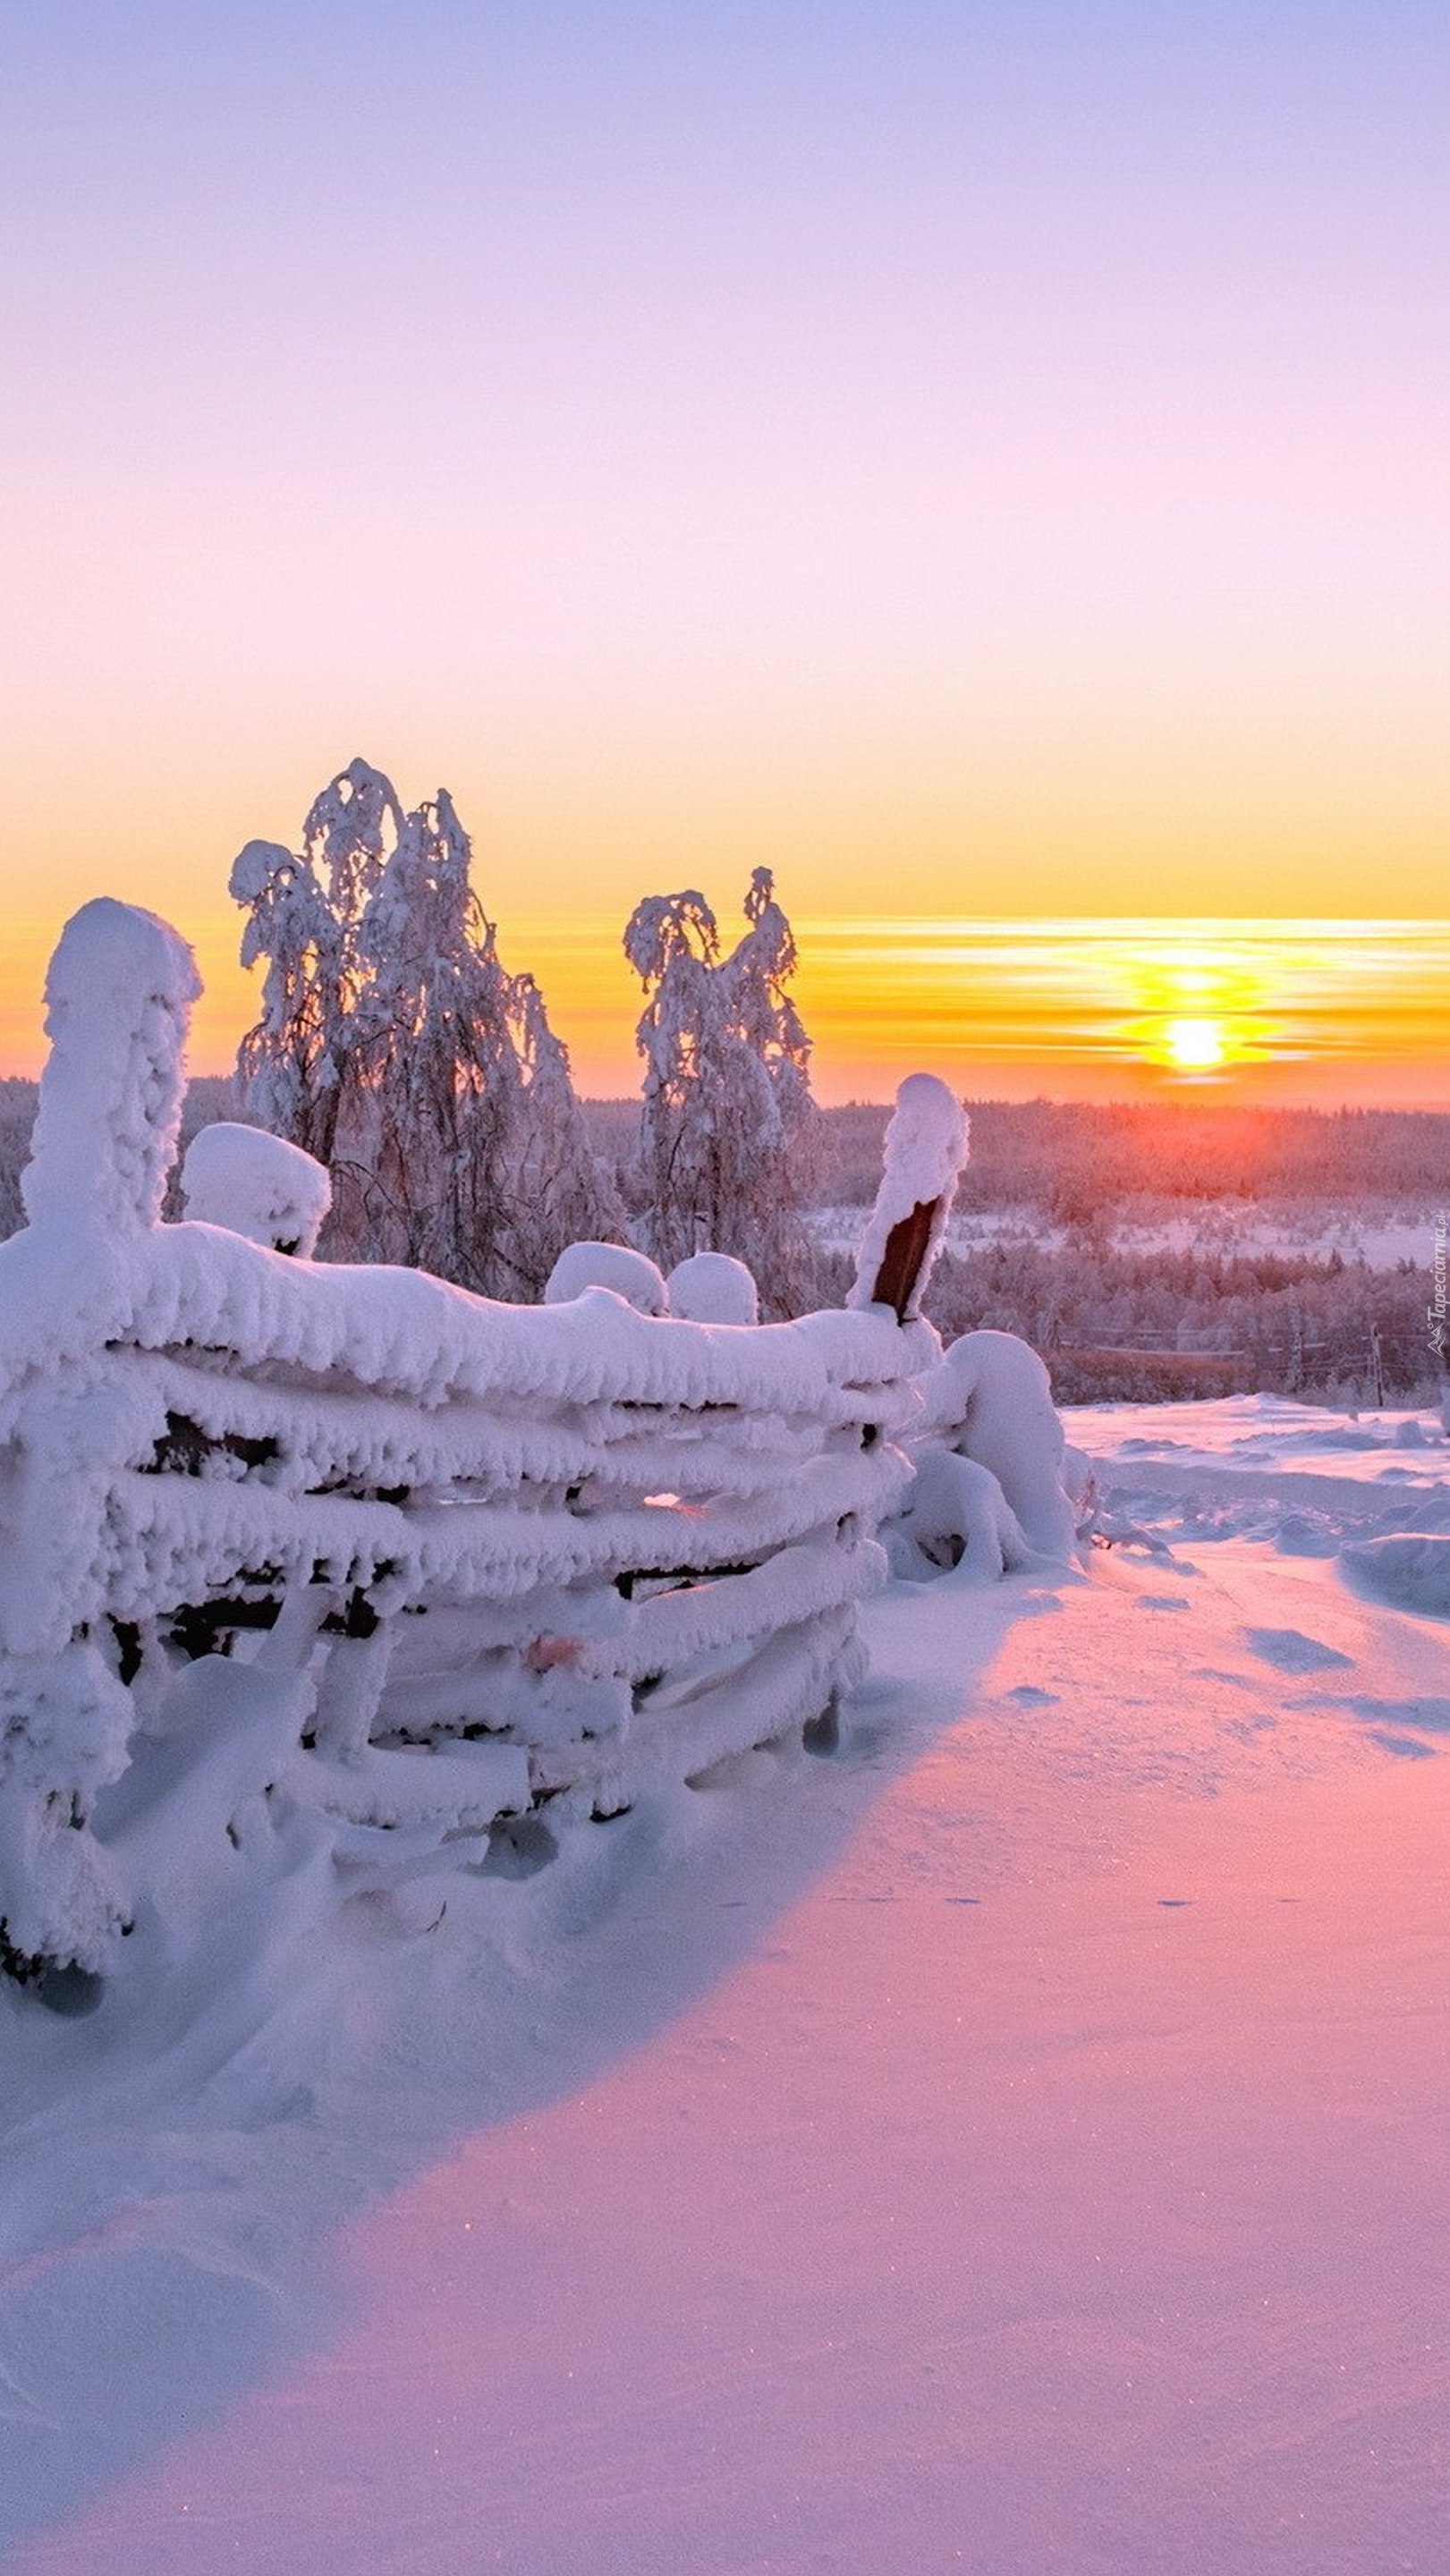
x=352, y=1546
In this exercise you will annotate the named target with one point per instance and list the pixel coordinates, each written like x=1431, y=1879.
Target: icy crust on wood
x=353, y=1556
x=608, y=1522
x=193, y=1288
x=257, y=1185
x=926, y=1147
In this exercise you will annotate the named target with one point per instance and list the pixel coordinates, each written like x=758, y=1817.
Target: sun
x=1195, y=1046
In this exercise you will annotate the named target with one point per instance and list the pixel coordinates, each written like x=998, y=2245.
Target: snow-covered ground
x=1314, y=1232
x=1015, y=2143
x=1311, y=1231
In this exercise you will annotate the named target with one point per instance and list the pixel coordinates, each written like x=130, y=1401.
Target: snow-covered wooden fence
x=433, y=1564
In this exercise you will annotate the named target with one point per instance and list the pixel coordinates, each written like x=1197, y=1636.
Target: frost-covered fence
x=355, y=1546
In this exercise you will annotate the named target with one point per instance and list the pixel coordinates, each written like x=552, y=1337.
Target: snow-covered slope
x=1016, y=2144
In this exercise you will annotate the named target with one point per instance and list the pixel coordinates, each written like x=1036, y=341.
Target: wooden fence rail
x=480, y=1562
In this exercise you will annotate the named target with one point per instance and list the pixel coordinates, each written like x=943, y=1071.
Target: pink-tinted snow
x=1017, y=2145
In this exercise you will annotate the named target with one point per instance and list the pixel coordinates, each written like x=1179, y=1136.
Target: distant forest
x=1113, y=1320
x=1073, y=1159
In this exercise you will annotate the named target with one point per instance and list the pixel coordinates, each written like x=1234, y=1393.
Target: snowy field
x=1223, y=1227
x=1014, y=2143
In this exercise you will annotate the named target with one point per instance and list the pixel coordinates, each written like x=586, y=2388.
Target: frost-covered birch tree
x=299, y=1066
x=727, y=1118
x=433, y=1021
x=397, y=1048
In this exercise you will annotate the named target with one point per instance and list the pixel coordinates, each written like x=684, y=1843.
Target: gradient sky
x=976, y=459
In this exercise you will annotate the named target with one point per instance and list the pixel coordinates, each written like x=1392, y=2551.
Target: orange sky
x=1272, y=1011
x=1297, y=1011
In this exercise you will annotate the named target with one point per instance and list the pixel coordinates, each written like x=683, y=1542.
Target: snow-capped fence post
x=118, y=998
x=926, y=1147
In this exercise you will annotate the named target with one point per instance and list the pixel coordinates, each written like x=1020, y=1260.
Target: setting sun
x=1195, y=1046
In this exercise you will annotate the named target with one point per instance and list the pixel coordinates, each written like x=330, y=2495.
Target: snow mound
x=713, y=1288
x=631, y=1275
x=256, y=1185
x=1409, y=1571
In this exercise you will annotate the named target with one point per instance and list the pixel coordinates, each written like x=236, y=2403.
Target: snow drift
x=257, y=1185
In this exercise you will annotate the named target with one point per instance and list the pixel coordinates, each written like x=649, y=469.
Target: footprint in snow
x=1027, y=1695
x=1163, y=1601
x=1290, y=1651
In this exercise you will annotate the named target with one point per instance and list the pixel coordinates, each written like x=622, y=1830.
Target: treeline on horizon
x=1075, y=1158
x=1071, y=1159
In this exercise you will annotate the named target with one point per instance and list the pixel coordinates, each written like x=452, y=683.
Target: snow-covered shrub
x=992, y=1482
x=395, y=1046
x=991, y=1399
x=297, y=1067
x=713, y=1288
x=727, y=1115
x=257, y=1185
x=617, y=1266
x=350, y=1564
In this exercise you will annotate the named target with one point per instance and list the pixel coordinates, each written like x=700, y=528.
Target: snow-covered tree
x=290, y=1064
x=299, y=1066
x=727, y=1115
x=346, y=836
x=395, y=1046
x=431, y=1031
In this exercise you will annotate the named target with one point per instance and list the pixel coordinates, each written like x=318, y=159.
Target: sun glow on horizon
x=1331, y=1012
x=1196, y=1046
x=1207, y=1004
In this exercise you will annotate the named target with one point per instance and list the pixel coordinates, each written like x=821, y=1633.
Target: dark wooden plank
x=906, y=1248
